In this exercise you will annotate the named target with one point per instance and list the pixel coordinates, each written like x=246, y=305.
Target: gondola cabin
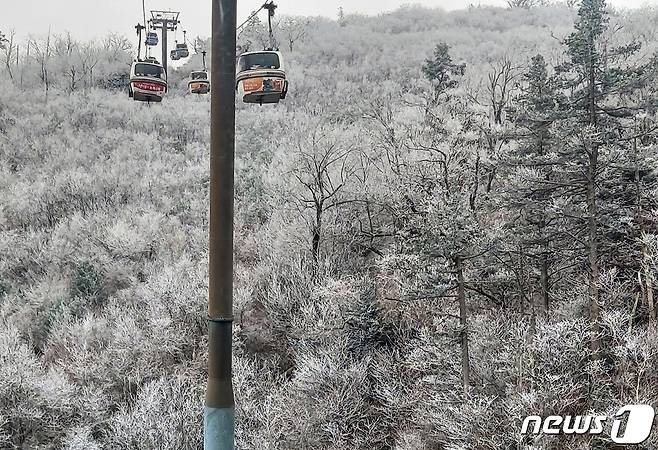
x=148, y=81
x=174, y=55
x=182, y=50
x=199, y=82
x=152, y=39
x=261, y=77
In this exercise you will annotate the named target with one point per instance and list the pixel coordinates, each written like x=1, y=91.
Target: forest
x=450, y=224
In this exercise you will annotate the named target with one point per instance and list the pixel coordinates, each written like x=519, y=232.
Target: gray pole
x=138, y=27
x=219, y=411
x=165, y=56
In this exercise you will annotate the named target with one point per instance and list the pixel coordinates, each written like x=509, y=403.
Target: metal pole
x=138, y=27
x=271, y=7
x=269, y=21
x=219, y=411
x=144, y=12
x=165, y=56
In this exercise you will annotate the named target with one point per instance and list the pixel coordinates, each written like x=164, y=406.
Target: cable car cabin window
x=199, y=76
x=149, y=70
x=259, y=61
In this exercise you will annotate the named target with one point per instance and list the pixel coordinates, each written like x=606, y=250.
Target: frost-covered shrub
x=38, y=404
x=33, y=312
x=165, y=415
x=328, y=404
x=371, y=328
x=80, y=438
x=85, y=282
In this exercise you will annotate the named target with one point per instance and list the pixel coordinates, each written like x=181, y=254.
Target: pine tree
x=531, y=193
x=441, y=212
x=629, y=221
x=440, y=69
x=598, y=81
x=341, y=17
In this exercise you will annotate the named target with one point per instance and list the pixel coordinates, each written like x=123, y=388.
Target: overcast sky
x=93, y=18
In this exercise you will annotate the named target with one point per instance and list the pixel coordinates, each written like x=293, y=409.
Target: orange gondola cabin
x=199, y=82
x=261, y=77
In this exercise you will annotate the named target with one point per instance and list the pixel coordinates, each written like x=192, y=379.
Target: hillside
x=413, y=245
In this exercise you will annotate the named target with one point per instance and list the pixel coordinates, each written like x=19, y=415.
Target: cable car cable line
x=251, y=17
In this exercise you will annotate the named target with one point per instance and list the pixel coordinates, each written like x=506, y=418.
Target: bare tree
x=65, y=49
x=116, y=45
x=253, y=33
x=294, y=29
x=9, y=52
x=89, y=58
x=323, y=168
x=500, y=86
x=526, y=3
x=64, y=45
x=42, y=54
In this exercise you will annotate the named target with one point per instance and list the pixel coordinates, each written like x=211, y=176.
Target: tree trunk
x=463, y=322
x=592, y=208
x=317, y=234
x=544, y=276
x=476, y=184
x=544, y=280
x=498, y=115
x=593, y=257
x=522, y=281
x=648, y=285
x=645, y=273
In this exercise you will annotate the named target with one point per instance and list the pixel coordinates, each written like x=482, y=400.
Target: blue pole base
x=218, y=428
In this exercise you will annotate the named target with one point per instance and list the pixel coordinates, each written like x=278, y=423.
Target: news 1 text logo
x=638, y=419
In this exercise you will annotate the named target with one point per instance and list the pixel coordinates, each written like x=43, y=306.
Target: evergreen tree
x=531, y=191
x=440, y=69
x=442, y=210
x=629, y=221
x=598, y=81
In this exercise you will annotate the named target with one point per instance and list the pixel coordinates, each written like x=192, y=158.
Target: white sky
x=93, y=18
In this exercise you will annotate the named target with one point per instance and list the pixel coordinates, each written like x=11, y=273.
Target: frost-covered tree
x=294, y=30
x=253, y=36
x=441, y=70
x=9, y=49
x=532, y=190
x=321, y=168
x=526, y=3
x=599, y=78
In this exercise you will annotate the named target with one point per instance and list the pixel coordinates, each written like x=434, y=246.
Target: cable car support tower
x=165, y=21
